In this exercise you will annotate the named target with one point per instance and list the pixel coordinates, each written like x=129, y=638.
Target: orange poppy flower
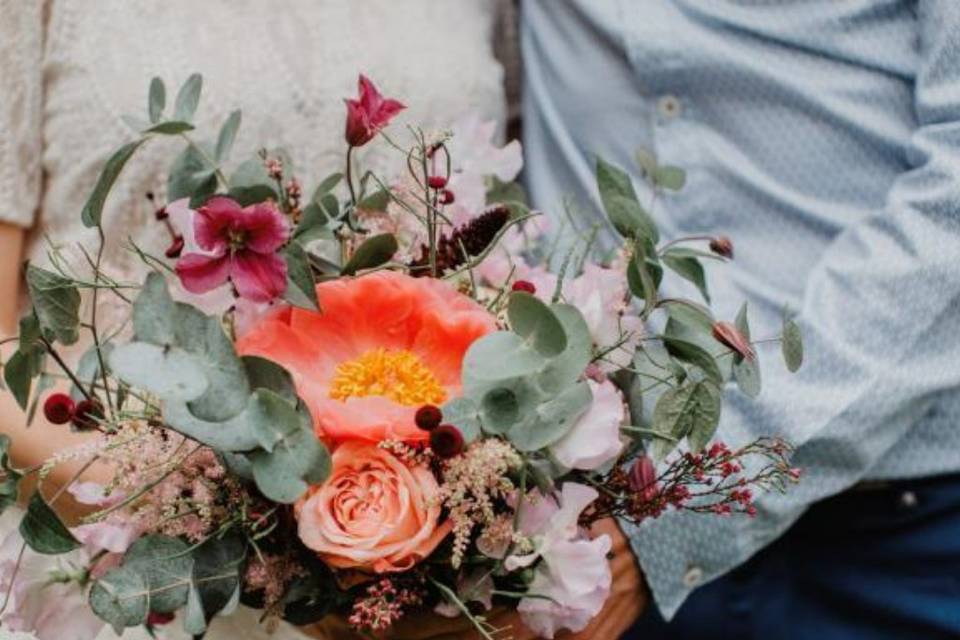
x=384, y=345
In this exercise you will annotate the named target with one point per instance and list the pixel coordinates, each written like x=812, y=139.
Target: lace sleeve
x=21, y=106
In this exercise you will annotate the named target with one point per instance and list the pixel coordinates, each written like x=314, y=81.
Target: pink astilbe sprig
x=385, y=602
x=714, y=481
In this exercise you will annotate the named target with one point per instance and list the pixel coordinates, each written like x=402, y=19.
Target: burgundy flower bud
x=156, y=619
x=722, y=246
x=437, y=182
x=175, y=248
x=446, y=441
x=728, y=335
x=161, y=214
x=643, y=477
x=87, y=414
x=524, y=285
x=447, y=197
x=58, y=408
x=428, y=417
x=369, y=113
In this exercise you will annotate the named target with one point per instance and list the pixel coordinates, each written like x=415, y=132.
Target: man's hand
x=628, y=598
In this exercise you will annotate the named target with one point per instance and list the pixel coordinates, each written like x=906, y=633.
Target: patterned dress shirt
x=822, y=136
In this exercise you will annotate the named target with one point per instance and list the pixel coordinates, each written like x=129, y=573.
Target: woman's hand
x=628, y=598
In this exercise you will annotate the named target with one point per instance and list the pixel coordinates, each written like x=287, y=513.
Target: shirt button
x=908, y=500
x=669, y=106
x=693, y=577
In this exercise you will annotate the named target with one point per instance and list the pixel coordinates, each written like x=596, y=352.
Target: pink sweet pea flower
x=240, y=245
x=369, y=114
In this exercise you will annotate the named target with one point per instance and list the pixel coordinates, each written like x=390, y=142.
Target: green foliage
x=318, y=219
x=687, y=267
x=533, y=320
x=695, y=355
x=660, y=176
x=42, y=530
x=375, y=251
x=689, y=411
x=301, y=286
x=20, y=370
x=792, y=344
x=93, y=209
x=188, y=98
x=622, y=206
x=746, y=372
x=376, y=201
x=228, y=133
x=251, y=183
x=57, y=304
x=641, y=279
x=156, y=99
x=170, y=127
x=505, y=192
x=9, y=484
x=193, y=175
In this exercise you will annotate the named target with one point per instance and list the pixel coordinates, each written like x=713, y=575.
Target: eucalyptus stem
x=452, y=596
x=63, y=365
x=210, y=161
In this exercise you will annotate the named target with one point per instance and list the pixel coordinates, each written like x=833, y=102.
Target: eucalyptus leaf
x=29, y=330
x=20, y=370
x=188, y=98
x=464, y=414
x=503, y=192
x=647, y=161
x=170, y=127
x=93, y=208
x=251, y=184
x=167, y=568
x=374, y=252
x=157, y=99
x=376, y=201
x=167, y=372
x=227, y=135
x=43, y=531
x=9, y=485
x=534, y=321
x=792, y=345
x=267, y=374
x=670, y=177
x=216, y=574
x=301, y=287
x=326, y=185
x=155, y=312
x=553, y=419
x=192, y=175
x=641, y=282
x=568, y=366
x=313, y=225
x=296, y=462
x=121, y=598
x=56, y=301
x=501, y=355
x=695, y=355
x=88, y=368
x=621, y=204
x=688, y=268
x=691, y=411
x=746, y=372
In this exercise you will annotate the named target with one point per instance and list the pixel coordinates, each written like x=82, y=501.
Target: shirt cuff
x=680, y=551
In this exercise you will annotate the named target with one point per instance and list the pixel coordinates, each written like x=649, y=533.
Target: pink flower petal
x=259, y=277
x=199, y=273
x=266, y=228
x=212, y=222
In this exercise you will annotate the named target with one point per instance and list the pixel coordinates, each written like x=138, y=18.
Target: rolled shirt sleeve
x=21, y=106
x=881, y=322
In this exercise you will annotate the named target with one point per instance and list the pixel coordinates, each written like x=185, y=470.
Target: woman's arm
x=38, y=442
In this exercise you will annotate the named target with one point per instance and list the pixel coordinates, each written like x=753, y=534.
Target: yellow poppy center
x=398, y=375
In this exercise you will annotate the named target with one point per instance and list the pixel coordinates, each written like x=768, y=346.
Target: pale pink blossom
x=594, y=440
x=574, y=575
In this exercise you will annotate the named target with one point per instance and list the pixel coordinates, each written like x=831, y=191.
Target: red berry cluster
x=59, y=408
x=445, y=439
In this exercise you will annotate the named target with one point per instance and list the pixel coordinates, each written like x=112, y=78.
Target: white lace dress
x=69, y=69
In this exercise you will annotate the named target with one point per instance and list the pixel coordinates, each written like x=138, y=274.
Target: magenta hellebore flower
x=241, y=246
x=369, y=114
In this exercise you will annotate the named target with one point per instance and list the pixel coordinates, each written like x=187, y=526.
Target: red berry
x=156, y=619
x=175, y=248
x=58, y=408
x=87, y=414
x=524, y=285
x=428, y=417
x=446, y=441
x=447, y=197
x=437, y=182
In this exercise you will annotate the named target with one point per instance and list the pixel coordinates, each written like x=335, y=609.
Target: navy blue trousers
x=875, y=563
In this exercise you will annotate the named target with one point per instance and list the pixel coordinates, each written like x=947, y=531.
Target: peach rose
x=373, y=513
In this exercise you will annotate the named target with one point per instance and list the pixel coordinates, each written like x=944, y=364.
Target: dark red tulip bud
x=175, y=248
x=447, y=197
x=161, y=214
x=643, y=477
x=722, y=246
x=87, y=415
x=58, y=408
x=525, y=286
x=428, y=417
x=437, y=182
x=156, y=619
x=446, y=441
x=728, y=335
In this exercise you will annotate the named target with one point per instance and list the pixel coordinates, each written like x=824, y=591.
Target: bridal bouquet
x=393, y=396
